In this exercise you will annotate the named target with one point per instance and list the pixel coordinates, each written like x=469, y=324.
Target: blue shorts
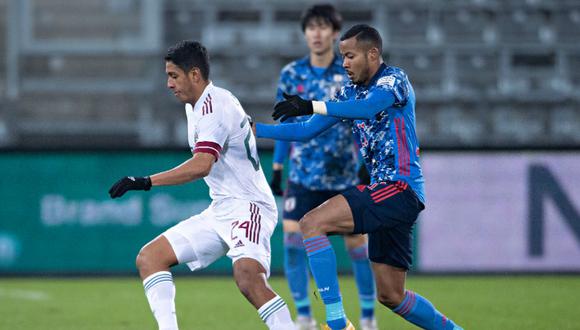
x=387, y=212
x=299, y=200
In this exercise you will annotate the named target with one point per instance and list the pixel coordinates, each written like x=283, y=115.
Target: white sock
x=276, y=315
x=160, y=292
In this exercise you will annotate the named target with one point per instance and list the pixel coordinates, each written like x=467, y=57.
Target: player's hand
x=129, y=183
x=293, y=106
x=276, y=183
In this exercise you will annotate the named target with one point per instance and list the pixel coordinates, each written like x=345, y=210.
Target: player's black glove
x=129, y=183
x=293, y=106
x=363, y=175
x=276, y=183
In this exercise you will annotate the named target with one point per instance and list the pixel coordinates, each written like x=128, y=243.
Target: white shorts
x=233, y=227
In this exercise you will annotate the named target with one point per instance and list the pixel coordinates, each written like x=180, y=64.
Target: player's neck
x=198, y=91
x=373, y=69
x=322, y=60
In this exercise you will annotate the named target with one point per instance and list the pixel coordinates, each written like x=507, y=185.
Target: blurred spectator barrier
x=486, y=212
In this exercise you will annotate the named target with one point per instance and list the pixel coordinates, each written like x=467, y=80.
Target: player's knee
x=141, y=260
x=390, y=298
x=145, y=260
x=310, y=225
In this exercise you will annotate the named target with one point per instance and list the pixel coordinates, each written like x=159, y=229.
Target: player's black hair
x=364, y=33
x=189, y=54
x=325, y=12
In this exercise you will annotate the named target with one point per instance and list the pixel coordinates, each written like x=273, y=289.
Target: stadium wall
x=486, y=212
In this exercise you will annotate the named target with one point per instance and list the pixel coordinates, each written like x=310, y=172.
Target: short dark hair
x=364, y=33
x=325, y=12
x=189, y=54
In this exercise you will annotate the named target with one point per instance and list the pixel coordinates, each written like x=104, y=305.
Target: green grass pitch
x=496, y=302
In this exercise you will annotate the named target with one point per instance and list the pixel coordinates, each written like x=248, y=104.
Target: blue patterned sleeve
x=397, y=83
x=299, y=131
x=281, y=149
x=376, y=101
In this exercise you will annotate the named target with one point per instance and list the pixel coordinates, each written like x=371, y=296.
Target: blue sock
x=296, y=271
x=323, y=266
x=422, y=313
x=365, y=282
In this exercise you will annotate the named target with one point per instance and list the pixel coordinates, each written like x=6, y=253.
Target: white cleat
x=305, y=323
x=368, y=324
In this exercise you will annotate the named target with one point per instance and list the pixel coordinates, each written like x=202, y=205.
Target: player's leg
x=390, y=251
x=333, y=216
x=358, y=251
x=246, y=228
x=297, y=201
x=408, y=304
x=296, y=273
x=153, y=263
x=192, y=241
x=251, y=279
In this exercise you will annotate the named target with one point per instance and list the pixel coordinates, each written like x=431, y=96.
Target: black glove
x=129, y=183
x=276, y=183
x=363, y=175
x=293, y=106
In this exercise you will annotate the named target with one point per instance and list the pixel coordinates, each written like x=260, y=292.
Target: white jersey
x=218, y=125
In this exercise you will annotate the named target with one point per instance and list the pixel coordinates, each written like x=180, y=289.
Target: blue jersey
x=388, y=142
x=328, y=161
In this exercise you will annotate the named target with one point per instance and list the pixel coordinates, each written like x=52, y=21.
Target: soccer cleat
x=349, y=326
x=368, y=324
x=305, y=323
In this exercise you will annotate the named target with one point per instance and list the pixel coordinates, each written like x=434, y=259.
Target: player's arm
x=367, y=108
x=375, y=102
x=192, y=169
x=299, y=131
x=281, y=150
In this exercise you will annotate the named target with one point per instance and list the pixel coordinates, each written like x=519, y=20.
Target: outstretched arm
x=194, y=168
x=367, y=108
x=375, y=102
x=301, y=131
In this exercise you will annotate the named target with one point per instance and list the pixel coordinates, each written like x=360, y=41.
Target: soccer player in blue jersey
x=379, y=101
x=319, y=168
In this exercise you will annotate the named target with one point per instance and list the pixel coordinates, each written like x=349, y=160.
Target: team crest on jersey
x=290, y=204
x=388, y=80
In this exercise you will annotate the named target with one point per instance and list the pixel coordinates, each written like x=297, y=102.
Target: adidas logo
x=239, y=244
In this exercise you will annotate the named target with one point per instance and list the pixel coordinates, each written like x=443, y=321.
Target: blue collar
x=377, y=75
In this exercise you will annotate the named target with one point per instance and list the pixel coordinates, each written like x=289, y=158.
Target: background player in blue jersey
x=319, y=168
x=380, y=103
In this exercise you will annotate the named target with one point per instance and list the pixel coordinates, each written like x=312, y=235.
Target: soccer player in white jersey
x=242, y=215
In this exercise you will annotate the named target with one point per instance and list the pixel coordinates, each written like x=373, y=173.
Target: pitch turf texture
x=521, y=302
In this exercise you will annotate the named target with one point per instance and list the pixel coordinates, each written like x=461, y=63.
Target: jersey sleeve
x=398, y=84
x=299, y=131
x=281, y=150
x=284, y=84
x=212, y=132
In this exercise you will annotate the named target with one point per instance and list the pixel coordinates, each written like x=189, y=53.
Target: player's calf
x=250, y=278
